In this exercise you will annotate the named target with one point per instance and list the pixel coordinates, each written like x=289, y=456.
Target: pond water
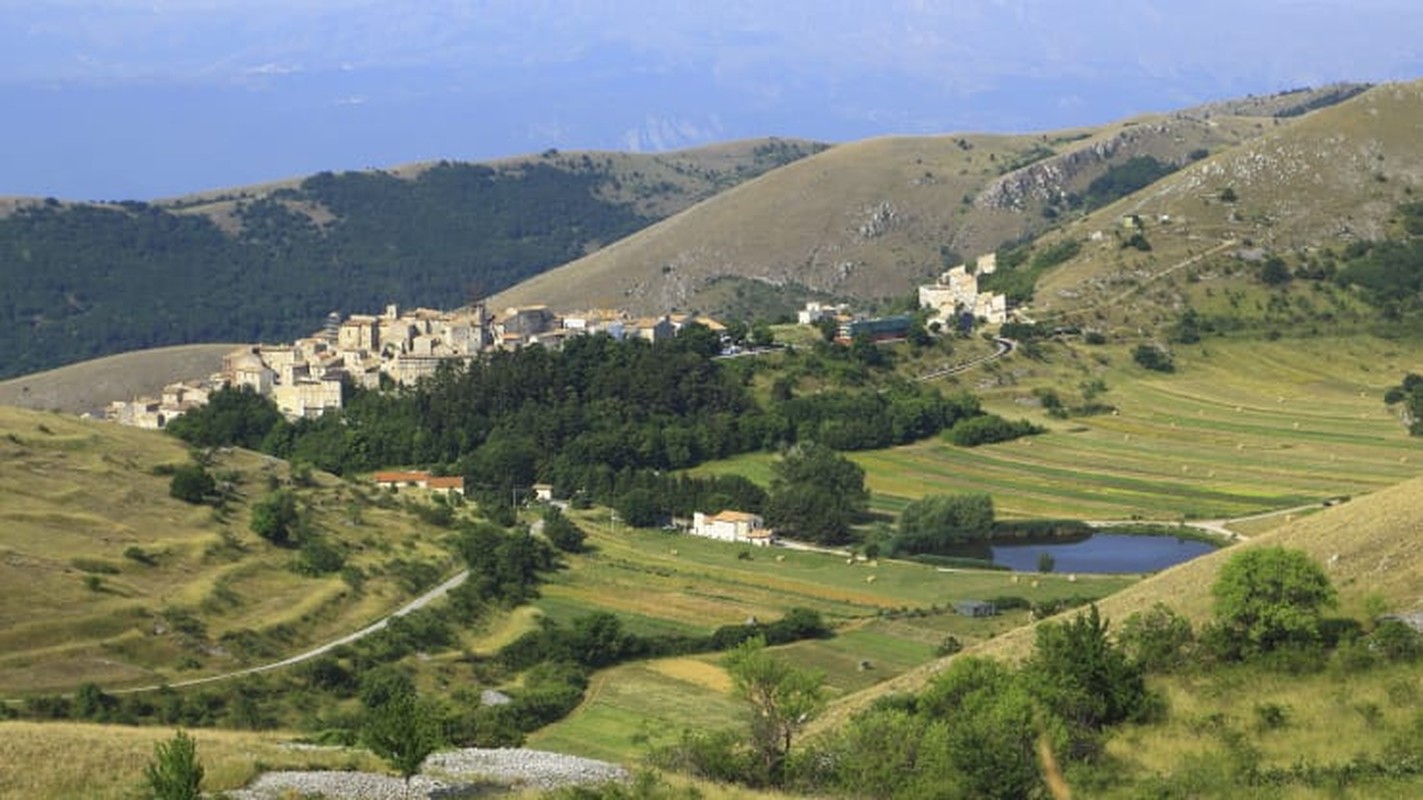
x=1103, y=553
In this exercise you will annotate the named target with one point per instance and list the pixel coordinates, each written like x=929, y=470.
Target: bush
x=275, y=517
x=1270, y=597
x=191, y=484
x=1153, y=357
x=989, y=429
x=562, y=532
x=1157, y=638
x=174, y=773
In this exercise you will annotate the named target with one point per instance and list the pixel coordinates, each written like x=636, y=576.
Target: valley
x=1232, y=344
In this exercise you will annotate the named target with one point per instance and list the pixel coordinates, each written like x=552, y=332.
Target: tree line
x=608, y=422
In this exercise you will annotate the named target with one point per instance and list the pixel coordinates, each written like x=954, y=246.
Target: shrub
x=174, y=773
x=1157, y=638
x=988, y=429
x=1269, y=597
x=1153, y=357
x=191, y=484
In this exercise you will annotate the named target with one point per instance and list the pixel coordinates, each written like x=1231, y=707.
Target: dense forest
x=83, y=281
x=610, y=421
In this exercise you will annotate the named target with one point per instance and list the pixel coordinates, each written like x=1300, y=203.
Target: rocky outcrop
x=1048, y=181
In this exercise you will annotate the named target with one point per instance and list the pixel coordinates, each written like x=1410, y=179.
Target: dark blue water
x=1103, y=552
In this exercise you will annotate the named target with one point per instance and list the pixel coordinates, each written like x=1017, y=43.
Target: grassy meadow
x=105, y=762
x=890, y=615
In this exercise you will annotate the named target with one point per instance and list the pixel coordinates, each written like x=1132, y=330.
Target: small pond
x=1102, y=553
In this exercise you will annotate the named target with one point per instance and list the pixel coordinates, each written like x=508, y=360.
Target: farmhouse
x=396, y=480
x=733, y=526
x=419, y=479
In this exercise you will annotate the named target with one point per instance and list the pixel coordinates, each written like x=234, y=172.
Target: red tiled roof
x=454, y=482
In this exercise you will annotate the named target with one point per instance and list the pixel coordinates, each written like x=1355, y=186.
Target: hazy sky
x=108, y=99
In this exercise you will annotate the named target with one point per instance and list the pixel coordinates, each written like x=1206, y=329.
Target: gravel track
x=454, y=773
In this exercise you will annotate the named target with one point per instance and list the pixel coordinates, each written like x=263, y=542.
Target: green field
x=889, y=618
x=1240, y=428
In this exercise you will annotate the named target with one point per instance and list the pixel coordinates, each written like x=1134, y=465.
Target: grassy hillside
x=268, y=263
x=1297, y=191
x=874, y=218
x=105, y=578
x=92, y=385
x=1223, y=720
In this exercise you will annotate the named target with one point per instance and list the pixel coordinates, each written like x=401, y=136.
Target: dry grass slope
x=97, y=561
x=865, y=219
x=91, y=385
x=1323, y=179
x=59, y=760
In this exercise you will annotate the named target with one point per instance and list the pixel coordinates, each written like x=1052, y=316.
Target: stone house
x=733, y=526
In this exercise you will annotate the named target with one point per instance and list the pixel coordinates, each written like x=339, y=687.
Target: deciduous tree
x=782, y=699
x=1268, y=597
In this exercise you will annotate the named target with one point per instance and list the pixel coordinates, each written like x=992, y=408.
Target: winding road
x=1005, y=346
x=418, y=603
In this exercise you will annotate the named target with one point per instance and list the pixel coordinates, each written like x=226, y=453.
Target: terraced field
x=1240, y=428
x=890, y=617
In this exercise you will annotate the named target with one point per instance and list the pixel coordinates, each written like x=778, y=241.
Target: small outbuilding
x=975, y=608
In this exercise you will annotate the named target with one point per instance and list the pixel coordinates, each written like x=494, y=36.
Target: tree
x=191, y=484
x=948, y=518
x=1046, y=562
x=174, y=773
x=1084, y=679
x=275, y=517
x=562, y=532
x=404, y=731
x=782, y=699
x=816, y=493
x=1268, y=597
x=1156, y=638
x=1274, y=272
x=762, y=335
x=990, y=727
x=238, y=417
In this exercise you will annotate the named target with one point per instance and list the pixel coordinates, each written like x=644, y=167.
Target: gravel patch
x=451, y=774
x=522, y=767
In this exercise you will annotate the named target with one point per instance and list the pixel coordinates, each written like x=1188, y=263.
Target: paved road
x=418, y=603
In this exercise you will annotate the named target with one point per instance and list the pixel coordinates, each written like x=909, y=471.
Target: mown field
x=1240, y=428
x=890, y=617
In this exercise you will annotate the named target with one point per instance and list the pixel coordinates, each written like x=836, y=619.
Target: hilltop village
x=304, y=378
